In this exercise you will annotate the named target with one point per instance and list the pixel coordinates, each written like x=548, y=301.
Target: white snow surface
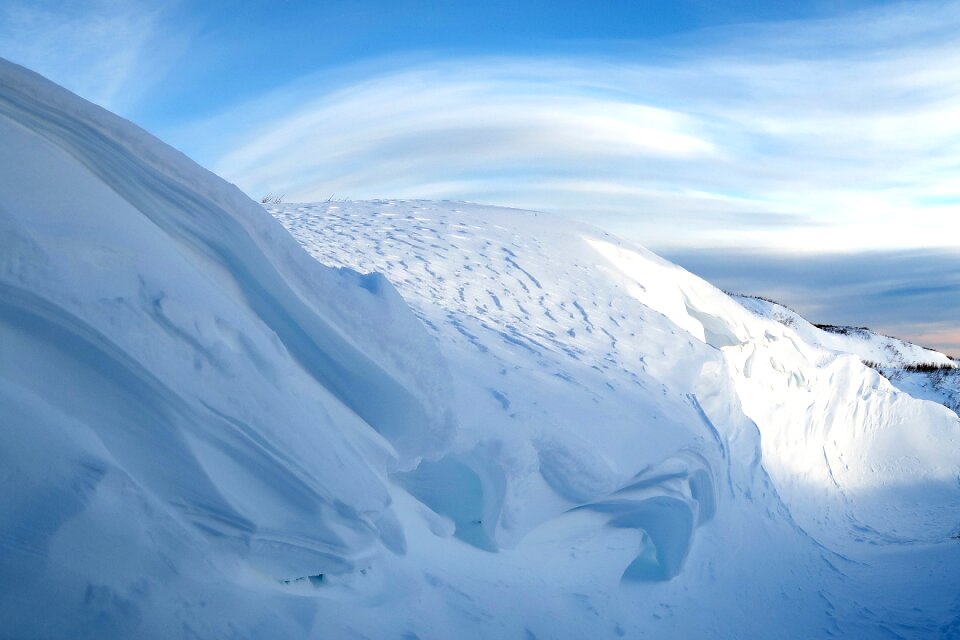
x=525, y=428
x=885, y=351
x=569, y=340
x=941, y=385
x=181, y=383
x=921, y=372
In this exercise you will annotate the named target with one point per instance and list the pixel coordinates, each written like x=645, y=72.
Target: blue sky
x=754, y=142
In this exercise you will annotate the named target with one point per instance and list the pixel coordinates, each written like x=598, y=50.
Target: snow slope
x=600, y=358
x=551, y=434
x=884, y=350
x=182, y=387
x=942, y=385
x=922, y=373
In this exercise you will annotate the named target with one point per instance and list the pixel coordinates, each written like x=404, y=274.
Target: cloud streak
x=107, y=51
x=820, y=135
x=439, y=130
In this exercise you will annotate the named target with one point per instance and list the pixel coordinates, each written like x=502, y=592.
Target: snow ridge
x=873, y=347
x=192, y=364
x=664, y=363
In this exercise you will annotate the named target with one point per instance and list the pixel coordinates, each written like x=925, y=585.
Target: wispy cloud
x=108, y=51
x=819, y=135
x=442, y=130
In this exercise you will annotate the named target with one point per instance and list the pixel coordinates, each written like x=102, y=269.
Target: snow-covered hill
x=569, y=339
x=188, y=400
x=523, y=428
x=869, y=346
x=921, y=372
x=937, y=385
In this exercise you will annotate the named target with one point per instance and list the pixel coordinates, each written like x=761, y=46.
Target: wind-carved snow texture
x=921, y=372
x=206, y=433
x=606, y=363
x=940, y=385
x=479, y=297
x=885, y=351
x=177, y=373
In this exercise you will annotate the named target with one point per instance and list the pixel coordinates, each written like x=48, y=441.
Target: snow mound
x=920, y=372
x=595, y=378
x=885, y=351
x=846, y=450
x=936, y=385
x=167, y=349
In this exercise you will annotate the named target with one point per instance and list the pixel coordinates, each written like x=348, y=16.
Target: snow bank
x=922, y=373
x=166, y=348
x=850, y=454
x=601, y=388
x=860, y=341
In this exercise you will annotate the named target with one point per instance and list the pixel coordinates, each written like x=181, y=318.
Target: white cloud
x=401, y=127
x=107, y=51
x=821, y=135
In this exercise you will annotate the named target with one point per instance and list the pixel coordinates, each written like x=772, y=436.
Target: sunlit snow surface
x=207, y=433
x=885, y=351
x=567, y=340
x=891, y=356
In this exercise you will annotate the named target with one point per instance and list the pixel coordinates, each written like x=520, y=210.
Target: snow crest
x=602, y=381
x=181, y=355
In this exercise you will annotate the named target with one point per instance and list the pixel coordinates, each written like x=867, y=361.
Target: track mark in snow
x=516, y=266
x=583, y=314
x=501, y=398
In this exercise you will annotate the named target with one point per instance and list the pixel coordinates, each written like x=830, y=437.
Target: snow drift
x=552, y=433
x=604, y=382
x=922, y=373
x=167, y=348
